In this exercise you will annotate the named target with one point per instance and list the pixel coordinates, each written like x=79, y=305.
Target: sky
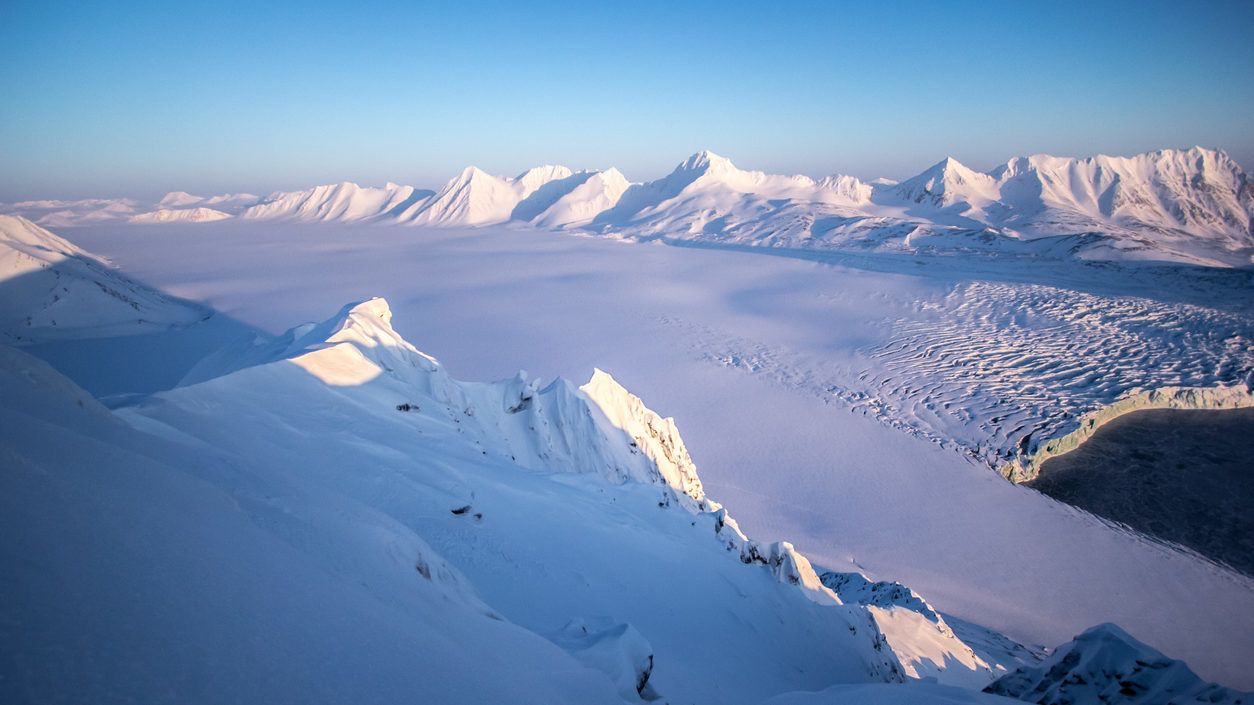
x=137, y=98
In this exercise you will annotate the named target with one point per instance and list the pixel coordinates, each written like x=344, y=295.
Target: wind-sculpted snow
x=617, y=650
x=1107, y=665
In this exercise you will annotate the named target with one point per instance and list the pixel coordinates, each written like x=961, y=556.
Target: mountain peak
x=532, y=179
x=947, y=182
x=951, y=165
x=705, y=160
x=471, y=173
x=376, y=307
x=179, y=198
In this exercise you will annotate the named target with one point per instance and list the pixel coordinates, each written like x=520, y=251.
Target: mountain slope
x=497, y=477
x=296, y=594
x=52, y=290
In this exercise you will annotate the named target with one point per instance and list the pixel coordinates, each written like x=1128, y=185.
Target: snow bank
x=616, y=649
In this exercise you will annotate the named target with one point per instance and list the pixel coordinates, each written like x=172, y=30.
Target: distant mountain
x=596, y=193
x=179, y=199
x=1191, y=206
x=345, y=202
x=231, y=203
x=68, y=213
x=180, y=215
x=475, y=197
x=948, y=183
x=96, y=211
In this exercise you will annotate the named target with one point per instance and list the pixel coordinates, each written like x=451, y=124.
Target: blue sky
x=135, y=98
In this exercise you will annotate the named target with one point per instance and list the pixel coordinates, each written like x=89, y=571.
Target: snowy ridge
x=345, y=202
x=52, y=290
x=925, y=644
x=599, y=427
x=281, y=554
x=1192, y=206
x=949, y=184
x=581, y=204
x=600, y=430
x=1105, y=664
x=180, y=215
x=230, y=203
x=68, y=213
x=475, y=197
x=1189, y=206
x=1186, y=206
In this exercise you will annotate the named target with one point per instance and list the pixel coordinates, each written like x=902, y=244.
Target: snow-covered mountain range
x=1193, y=206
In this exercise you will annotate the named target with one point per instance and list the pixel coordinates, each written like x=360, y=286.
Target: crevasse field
x=850, y=406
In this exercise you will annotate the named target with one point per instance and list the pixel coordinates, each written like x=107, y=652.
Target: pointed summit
x=949, y=182
x=705, y=161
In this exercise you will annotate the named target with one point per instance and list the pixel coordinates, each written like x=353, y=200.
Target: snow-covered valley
x=854, y=405
x=793, y=379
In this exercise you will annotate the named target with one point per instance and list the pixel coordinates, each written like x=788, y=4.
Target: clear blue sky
x=136, y=98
